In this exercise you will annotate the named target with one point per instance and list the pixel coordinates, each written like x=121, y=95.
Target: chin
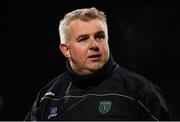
x=96, y=67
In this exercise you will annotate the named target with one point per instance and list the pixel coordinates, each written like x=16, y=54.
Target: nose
x=93, y=45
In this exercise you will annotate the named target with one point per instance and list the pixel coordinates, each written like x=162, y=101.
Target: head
x=84, y=40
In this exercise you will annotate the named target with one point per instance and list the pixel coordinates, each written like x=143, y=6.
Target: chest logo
x=104, y=106
x=53, y=112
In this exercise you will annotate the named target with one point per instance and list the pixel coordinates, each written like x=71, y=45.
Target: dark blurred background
x=143, y=36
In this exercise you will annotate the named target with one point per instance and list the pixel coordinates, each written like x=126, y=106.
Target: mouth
x=94, y=57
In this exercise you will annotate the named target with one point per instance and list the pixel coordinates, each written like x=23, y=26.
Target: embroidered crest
x=104, y=106
x=53, y=112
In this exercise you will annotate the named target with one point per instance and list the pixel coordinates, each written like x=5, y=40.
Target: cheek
x=78, y=51
x=105, y=48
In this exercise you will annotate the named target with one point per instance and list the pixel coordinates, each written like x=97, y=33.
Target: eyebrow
x=86, y=35
x=82, y=36
x=99, y=32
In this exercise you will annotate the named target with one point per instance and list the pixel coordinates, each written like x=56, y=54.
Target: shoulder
x=146, y=92
x=134, y=81
x=56, y=84
x=138, y=86
x=49, y=90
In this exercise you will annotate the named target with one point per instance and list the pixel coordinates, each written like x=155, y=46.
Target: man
x=94, y=87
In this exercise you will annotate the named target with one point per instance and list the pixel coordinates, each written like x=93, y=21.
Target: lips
x=94, y=57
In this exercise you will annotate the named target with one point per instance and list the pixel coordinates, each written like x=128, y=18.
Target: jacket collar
x=104, y=72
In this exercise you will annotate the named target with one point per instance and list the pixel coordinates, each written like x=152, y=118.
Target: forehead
x=79, y=27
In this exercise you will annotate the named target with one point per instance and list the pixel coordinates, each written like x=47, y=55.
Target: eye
x=83, y=39
x=100, y=36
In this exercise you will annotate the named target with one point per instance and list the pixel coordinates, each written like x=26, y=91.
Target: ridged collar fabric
x=103, y=73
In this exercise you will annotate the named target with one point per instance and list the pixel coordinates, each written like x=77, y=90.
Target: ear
x=65, y=50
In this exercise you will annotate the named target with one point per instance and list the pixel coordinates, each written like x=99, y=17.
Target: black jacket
x=113, y=93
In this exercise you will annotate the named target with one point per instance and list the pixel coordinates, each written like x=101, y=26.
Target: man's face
x=88, y=49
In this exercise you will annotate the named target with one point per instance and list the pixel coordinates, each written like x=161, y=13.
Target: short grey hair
x=84, y=14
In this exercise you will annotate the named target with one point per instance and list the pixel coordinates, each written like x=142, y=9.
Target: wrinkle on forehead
x=79, y=27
